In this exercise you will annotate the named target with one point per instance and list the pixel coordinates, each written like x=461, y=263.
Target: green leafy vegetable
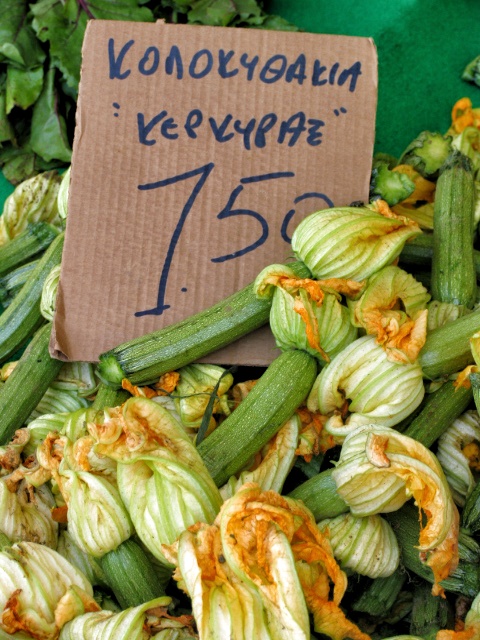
x=40, y=59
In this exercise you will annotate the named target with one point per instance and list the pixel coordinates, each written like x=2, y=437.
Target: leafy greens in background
x=40, y=56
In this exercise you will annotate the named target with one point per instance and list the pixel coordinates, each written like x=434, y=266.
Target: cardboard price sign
x=197, y=151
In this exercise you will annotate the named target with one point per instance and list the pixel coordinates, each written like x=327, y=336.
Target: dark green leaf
x=23, y=87
x=18, y=164
x=63, y=27
x=118, y=10
x=277, y=23
x=222, y=12
x=48, y=136
x=18, y=43
x=6, y=130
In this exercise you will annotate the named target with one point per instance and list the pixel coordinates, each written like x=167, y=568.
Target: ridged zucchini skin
x=319, y=494
x=26, y=385
x=440, y=409
x=466, y=577
x=22, y=317
x=453, y=263
x=36, y=238
x=447, y=349
x=273, y=400
x=145, y=359
x=131, y=576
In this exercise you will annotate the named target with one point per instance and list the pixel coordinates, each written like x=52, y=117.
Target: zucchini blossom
x=97, y=518
x=393, y=309
x=25, y=511
x=366, y=545
x=33, y=200
x=259, y=569
x=351, y=242
x=418, y=206
x=458, y=451
x=92, y=570
x=193, y=392
x=49, y=293
x=272, y=464
x=379, y=470
x=62, y=196
x=307, y=314
x=441, y=313
x=40, y=591
x=135, y=623
x=362, y=386
x=161, y=477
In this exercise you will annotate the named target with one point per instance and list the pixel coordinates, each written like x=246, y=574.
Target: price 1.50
x=229, y=210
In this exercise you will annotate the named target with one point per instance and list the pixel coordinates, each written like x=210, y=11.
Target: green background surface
x=423, y=47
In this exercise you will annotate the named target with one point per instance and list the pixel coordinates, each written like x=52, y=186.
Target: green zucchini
x=25, y=386
x=23, y=317
x=381, y=595
x=13, y=281
x=429, y=613
x=109, y=397
x=453, y=264
x=439, y=410
x=447, y=349
x=466, y=577
x=143, y=360
x=131, y=576
x=273, y=400
x=320, y=495
x=29, y=243
x=471, y=511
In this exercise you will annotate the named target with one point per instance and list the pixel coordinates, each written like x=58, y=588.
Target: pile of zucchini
x=431, y=195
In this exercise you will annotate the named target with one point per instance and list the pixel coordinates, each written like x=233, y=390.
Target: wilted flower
x=194, y=389
x=272, y=464
x=307, y=314
x=458, y=452
x=97, y=518
x=351, y=242
x=393, y=309
x=418, y=206
x=379, y=470
x=49, y=293
x=471, y=628
x=135, y=623
x=441, y=313
x=258, y=569
x=366, y=545
x=40, y=591
x=34, y=199
x=362, y=386
x=24, y=510
x=62, y=196
x=161, y=477
x=67, y=548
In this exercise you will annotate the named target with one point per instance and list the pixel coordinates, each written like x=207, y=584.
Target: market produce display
x=335, y=494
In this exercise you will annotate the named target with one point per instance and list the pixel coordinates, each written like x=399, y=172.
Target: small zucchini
x=25, y=386
x=131, y=576
x=144, y=359
x=453, y=264
x=23, y=317
x=272, y=401
x=29, y=243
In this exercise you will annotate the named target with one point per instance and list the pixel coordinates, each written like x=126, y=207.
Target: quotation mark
x=115, y=105
x=337, y=112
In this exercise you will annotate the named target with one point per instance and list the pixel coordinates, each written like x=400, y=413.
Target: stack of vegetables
x=336, y=495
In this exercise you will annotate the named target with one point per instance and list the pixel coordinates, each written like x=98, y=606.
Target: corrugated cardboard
x=255, y=129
